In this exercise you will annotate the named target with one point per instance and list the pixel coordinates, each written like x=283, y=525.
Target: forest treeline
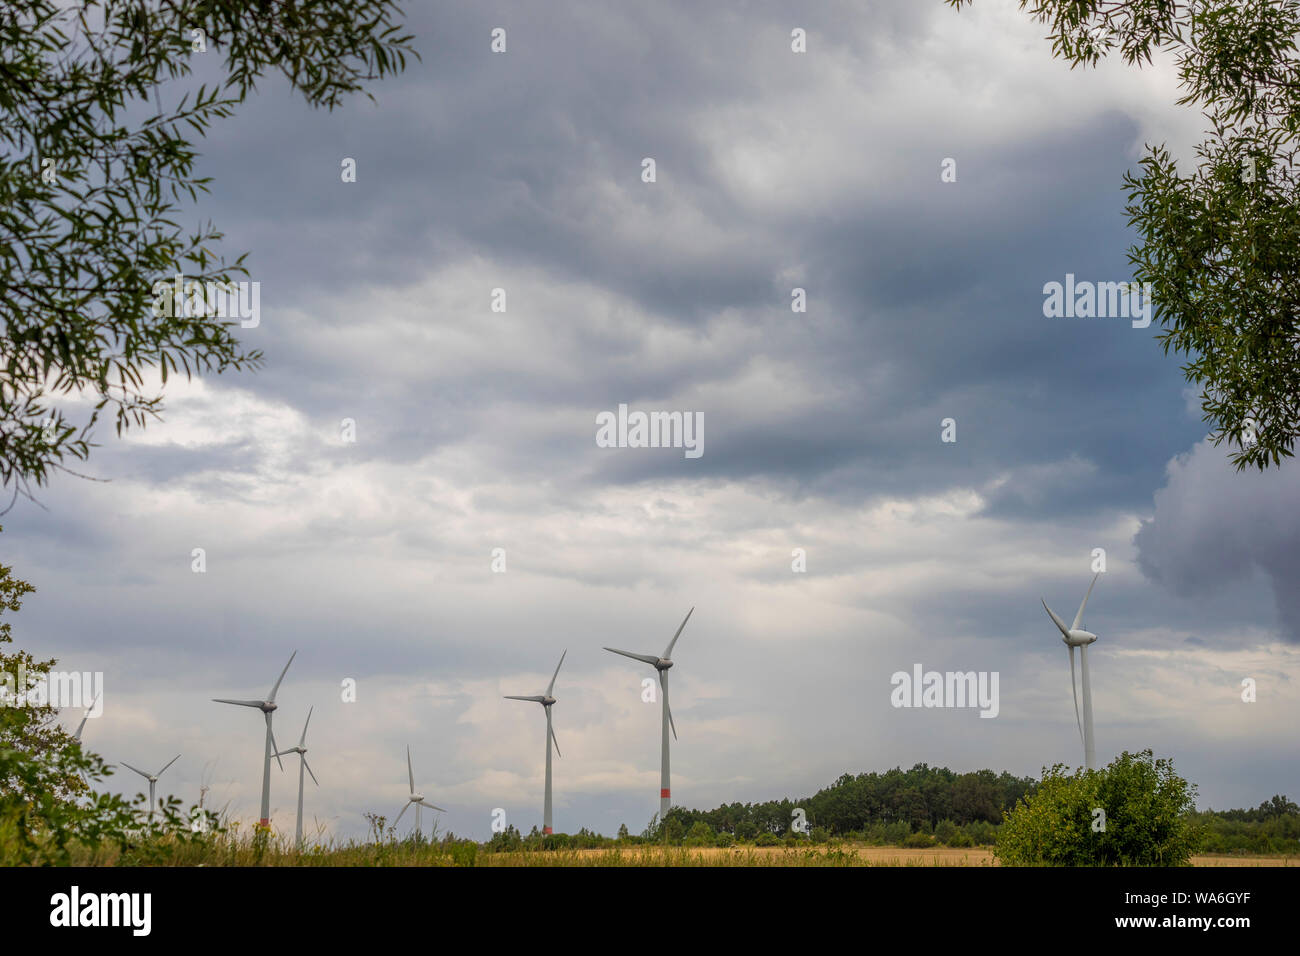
x=923, y=806
x=921, y=798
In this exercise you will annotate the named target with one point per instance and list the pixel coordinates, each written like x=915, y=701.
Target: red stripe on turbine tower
x=664, y=794
x=547, y=830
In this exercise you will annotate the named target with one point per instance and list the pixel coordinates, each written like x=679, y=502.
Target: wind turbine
x=152, y=778
x=301, y=751
x=84, y=717
x=546, y=700
x=267, y=707
x=662, y=664
x=1074, y=636
x=415, y=798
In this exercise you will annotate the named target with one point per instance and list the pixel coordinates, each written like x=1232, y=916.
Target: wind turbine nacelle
x=417, y=798
x=664, y=664
x=1081, y=638
x=548, y=701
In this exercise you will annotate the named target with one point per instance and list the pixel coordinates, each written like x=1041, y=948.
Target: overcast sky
x=476, y=430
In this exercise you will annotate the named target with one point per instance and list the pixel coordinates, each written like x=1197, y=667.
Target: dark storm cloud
x=1214, y=526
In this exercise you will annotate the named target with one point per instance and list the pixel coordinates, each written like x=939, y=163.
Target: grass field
x=811, y=856
x=237, y=852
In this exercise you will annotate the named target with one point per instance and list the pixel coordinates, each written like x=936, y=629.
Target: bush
x=918, y=839
x=1148, y=818
x=746, y=830
x=981, y=832
x=960, y=839
x=820, y=835
x=462, y=852
x=945, y=831
x=724, y=839
x=767, y=838
x=701, y=834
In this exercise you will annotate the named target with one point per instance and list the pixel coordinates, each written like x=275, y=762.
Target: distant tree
x=700, y=835
x=96, y=153
x=746, y=830
x=29, y=726
x=1148, y=817
x=975, y=797
x=622, y=831
x=1220, y=245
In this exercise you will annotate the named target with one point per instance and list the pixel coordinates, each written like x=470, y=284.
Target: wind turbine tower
x=546, y=700
x=1074, y=636
x=267, y=707
x=662, y=665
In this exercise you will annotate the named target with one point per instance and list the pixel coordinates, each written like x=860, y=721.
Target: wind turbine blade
x=168, y=764
x=426, y=803
x=409, y=772
x=663, y=683
x=81, y=726
x=241, y=703
x=551, y=686
x=275, y=748
x=1059, y=623
x=271, y=699
x=302, y=741
x=668, y=654
x=313, y=776
x=1078, y=618
x=556, y=742
x=636, y=657
x=400, y=815
x=1074, y=690
x=536, y=700
x=136, y=769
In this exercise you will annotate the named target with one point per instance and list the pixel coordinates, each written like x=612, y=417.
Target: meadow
x=231, y=849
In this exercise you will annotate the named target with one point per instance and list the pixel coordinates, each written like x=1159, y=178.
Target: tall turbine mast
x=546, y=700
x=1074, y=636
x=267, y=707
x=662, y=664
x=301, y=751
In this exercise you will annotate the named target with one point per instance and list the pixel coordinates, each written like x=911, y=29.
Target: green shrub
x=700, y=834
x=1148, y=817
x=724, y=839
x=918, y=839
x=462, y=852
x=767, y=838
x=960, y=839
x=981, y=832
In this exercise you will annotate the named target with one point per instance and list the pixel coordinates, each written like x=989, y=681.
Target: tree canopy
x=1220, y=242
x=98, y=124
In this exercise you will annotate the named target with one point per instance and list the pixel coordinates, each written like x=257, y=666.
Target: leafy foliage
x=1148, y=817
x=93, y=167
x=49, y=814
x=1220, y=245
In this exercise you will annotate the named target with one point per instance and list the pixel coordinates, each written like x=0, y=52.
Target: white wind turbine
x=152, y=778
x=267, y=707
x=415, y=798
x=84, y=717
x=301, y=751
x=546, y=700
x=662, y=664
x=1074, y=636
